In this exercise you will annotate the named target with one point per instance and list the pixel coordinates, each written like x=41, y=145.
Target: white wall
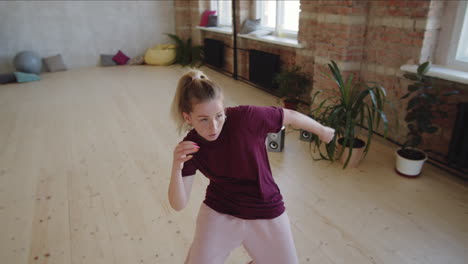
x=82, y=30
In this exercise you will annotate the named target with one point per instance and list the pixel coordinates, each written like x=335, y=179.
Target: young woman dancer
x=243, y=205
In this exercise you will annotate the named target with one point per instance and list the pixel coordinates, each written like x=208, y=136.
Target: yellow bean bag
x=163, y=54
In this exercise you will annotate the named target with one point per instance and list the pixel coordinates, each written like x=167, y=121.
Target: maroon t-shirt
x=237, y=164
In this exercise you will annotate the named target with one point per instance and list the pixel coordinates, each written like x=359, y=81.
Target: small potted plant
x=187, y=54
x=346, y=112
x=292, y=83
x=422, y=109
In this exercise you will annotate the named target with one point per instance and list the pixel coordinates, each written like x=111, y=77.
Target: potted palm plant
x=422, y=109
x=292, y=83
x=357, y=105
x=187, y=54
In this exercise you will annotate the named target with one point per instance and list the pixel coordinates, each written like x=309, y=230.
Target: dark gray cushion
x=106, y=60
x=7, y=78
x=54, y=63
x=250, y=25
x=212, y=21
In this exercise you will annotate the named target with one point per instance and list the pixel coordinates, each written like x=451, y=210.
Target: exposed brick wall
x=182, y=18
x=393, y=27
x=370, y=39
x=399, y=32
x=331, y=30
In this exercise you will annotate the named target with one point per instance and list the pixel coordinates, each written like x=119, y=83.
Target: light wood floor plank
x=85, y=157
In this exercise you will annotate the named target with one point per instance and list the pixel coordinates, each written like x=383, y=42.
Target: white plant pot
x=356, y=156
x=407, y=167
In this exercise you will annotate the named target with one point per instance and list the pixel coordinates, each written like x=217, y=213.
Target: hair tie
x=198, y=75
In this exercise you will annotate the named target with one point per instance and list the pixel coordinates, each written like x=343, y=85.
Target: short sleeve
x=189, y=168
x=264, y=119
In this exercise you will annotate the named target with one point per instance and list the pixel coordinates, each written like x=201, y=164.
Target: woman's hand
x=180, y=187
x=182, y=153
x=327, y=134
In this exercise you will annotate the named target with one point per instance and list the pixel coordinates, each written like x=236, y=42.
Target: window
x=281, y=16
x=459, y=56
x=223, y=9
x=452, y=48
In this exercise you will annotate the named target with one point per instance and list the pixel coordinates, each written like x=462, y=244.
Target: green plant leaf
x=424, y=68
x=382, y=89
x=320, y=106
x=384, y=118
x=315, y=96
x=450, y=93
x=432, y=130
x=197, y=56
x=337, y=76
x=423, y=124
x=349, y=109
x=411, y=76
x=405, y=96
x=187, y=53
x=372, y=95
x=443, y=114
x=379, y=87
x=412, y=103
x=410, y=117
x=415, y=141
x=413, y=88
x=179, y=47
x=350, y=80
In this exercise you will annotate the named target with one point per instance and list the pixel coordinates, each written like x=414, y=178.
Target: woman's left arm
x=298, y=120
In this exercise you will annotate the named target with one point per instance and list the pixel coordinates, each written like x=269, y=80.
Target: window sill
x=274, y=40
x=288, y=42
x=222, y=30
x=441, y=72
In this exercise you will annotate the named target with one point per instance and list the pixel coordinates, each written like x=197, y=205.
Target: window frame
x=279, y=19
x=454, y=34
x=214, y=5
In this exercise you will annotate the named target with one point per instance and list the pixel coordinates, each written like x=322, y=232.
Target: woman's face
x=207, y=118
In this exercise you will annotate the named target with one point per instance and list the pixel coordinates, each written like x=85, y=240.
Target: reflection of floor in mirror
x=85, y=157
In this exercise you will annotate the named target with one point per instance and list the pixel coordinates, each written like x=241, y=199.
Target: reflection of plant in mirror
x=347, y=111
x=424, y=105
x=187, y=54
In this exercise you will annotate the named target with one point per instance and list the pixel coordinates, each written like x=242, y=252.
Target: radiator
x=263, y=67
x=458, y=150
x=214, y=52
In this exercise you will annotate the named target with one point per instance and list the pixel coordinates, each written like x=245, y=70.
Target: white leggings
x=268, y=241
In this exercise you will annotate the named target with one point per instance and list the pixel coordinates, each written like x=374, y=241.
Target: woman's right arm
x=181, y=187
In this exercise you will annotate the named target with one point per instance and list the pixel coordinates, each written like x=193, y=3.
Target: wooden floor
x=85, y=157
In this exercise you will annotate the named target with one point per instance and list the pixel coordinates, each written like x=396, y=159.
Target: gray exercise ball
x=28, y=61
